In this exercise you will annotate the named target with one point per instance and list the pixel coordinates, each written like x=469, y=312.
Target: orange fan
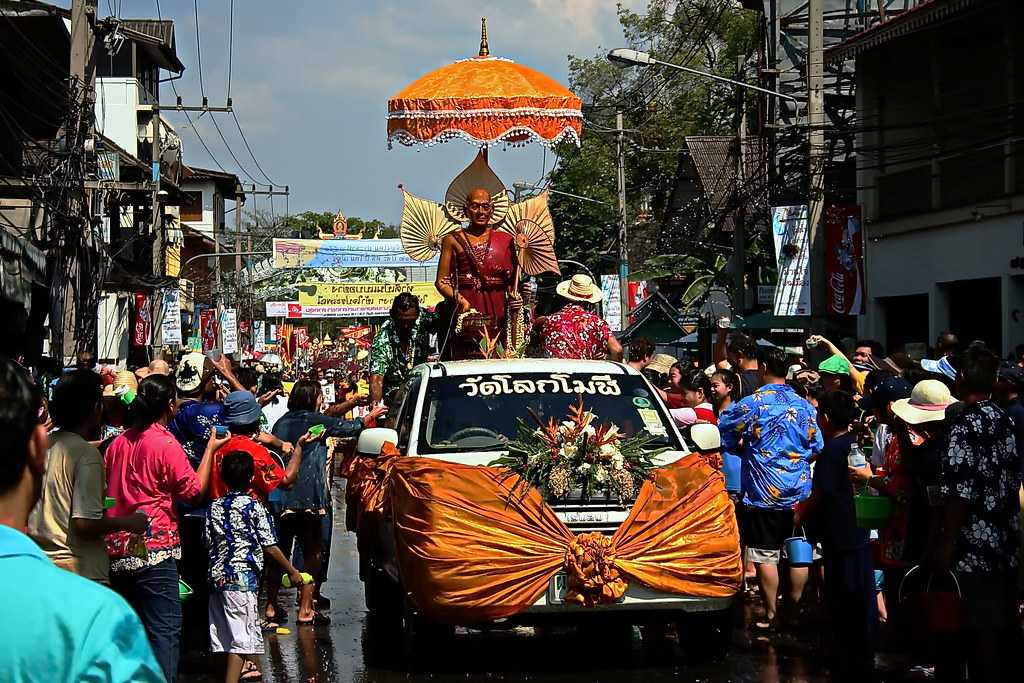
x=534, y=248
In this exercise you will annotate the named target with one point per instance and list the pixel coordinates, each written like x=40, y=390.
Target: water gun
x=306, y=580
x=317, y=430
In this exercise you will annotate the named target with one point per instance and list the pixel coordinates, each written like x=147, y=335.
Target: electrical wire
x=199, y=50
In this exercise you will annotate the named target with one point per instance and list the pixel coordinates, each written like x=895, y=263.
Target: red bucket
x=937, y=609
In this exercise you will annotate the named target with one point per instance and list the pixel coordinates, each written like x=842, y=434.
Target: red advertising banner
x=208, y=328
x=360, y=334
x=844, y=259
x=142, y=327
x=301, y=338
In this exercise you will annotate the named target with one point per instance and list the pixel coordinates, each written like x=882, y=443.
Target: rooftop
x=924, y=13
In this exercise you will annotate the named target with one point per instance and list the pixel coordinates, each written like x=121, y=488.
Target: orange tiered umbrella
x=484, y=100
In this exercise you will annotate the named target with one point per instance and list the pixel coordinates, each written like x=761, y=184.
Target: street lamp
x=625, y=57
x=520, y=186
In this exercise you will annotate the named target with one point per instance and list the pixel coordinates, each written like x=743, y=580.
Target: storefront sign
x=612, y=301
x=277, y=309
x=229, y=325
x=259, y=336
x=170, y=328
x=142, y=327
x=844, y=260
x=360, y=299
x=792, y=252
x=375, y=253
x=208, y=328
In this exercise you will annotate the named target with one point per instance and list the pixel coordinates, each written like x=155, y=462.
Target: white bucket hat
x=706, y=437
x=927, y=403
x=580, y=288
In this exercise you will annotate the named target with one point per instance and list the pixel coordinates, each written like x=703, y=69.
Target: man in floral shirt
x=402, y=343
x=979, y=531
x=575, y=331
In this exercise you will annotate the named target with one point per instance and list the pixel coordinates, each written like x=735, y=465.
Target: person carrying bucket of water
x=830, y=513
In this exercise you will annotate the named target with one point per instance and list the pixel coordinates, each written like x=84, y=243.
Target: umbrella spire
x=484, y=50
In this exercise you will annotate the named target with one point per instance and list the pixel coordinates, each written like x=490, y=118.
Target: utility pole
x=739, y=242
x=216, y=265
x=157, y=222
x=83, y=76
x=816, y=152
x=623, y=243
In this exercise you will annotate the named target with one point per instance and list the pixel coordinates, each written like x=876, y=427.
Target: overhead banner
x=360, y=299
x=361, y=335
x=612, y=301
x=170, y=328
x=844, y=260
x=259, y=336
x=142, y=329
x=229, y=327
x=792, y=253
x=384, y=253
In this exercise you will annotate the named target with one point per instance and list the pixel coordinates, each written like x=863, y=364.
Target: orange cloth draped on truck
x=470, y=551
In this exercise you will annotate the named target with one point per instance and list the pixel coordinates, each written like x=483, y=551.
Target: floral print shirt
x=387, y=358
x=776, y=433
x=191, y=427
x=980, y=465
x=575, y=333
x=238, y=528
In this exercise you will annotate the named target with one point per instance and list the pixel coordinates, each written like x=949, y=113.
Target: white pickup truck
x=465, y=412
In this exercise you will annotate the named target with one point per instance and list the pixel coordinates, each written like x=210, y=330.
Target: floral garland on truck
x=558, y=458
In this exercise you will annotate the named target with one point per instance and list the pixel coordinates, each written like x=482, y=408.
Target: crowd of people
x=124, y=492
x=941, y=438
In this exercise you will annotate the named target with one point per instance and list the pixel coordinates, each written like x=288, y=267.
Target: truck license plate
x=586, y=516
x=556, y=589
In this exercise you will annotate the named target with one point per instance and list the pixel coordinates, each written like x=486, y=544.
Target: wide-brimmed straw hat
x=927, y=403
x=124, y=378
x=580, y=288
x=661, y=363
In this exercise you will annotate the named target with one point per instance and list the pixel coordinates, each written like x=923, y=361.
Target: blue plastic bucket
x=799, y=551
x=731, y=468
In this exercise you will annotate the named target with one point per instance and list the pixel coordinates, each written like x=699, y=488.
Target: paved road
x=343, y=652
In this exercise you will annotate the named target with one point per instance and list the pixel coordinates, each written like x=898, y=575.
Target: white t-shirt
x=274, y=410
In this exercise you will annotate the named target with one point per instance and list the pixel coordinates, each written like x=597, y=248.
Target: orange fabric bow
x=469, y=551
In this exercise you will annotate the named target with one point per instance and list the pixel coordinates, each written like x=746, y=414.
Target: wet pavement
x=345, y=651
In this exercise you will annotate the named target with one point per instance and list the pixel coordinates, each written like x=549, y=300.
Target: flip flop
x=269, y=625
x=278, y=617
x=250, y=672
x=317, y=620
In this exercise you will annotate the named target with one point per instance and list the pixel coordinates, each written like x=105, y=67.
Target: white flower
x=567, y=427
x=608, y=450
x=617, y=461
x=534, y=458
x=589, y=431
x=569, y=451
x=612, y=433
x=584, y=467
x=600, y=473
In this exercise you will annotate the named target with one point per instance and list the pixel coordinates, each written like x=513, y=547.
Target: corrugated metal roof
x=925, y=12
x=158, y=35
x=715, y=159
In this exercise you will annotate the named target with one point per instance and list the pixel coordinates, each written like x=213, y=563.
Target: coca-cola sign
x=844, y=249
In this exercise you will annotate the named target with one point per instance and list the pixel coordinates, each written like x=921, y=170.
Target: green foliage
x=660, y=107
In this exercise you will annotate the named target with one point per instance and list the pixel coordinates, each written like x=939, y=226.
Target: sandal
x=268, y=625
x=250, y=672
x=318, y=619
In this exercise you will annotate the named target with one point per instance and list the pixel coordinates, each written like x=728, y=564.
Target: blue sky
x=311, y=79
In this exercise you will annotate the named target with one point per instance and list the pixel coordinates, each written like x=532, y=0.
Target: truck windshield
x=479, y=412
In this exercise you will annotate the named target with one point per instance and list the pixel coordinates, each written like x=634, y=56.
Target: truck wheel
x=383, y=596
x=424, y=641
x=706, y=636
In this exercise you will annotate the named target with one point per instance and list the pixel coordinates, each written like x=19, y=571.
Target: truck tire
x=382, y=595
x=706, y=636
x=424, y=641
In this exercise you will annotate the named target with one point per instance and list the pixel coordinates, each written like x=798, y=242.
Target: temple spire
x=484, y=50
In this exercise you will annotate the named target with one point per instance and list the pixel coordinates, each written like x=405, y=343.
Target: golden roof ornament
x=484, y=49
